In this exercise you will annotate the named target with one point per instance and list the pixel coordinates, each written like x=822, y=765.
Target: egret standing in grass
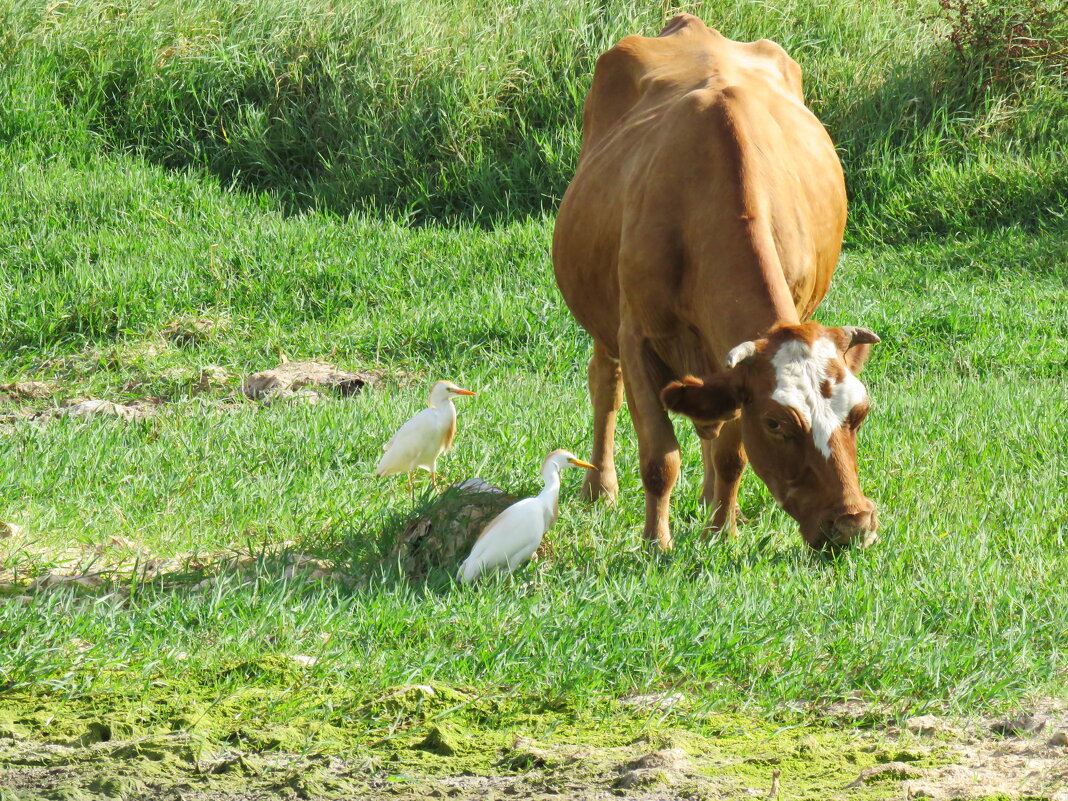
x=422, y=439
x=513, y=535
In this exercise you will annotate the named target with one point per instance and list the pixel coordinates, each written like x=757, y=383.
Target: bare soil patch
x=29, y=568
x=306, y=380
x=289, y=379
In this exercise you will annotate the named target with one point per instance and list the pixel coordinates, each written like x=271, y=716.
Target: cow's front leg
x=606, y=395
x=658, y=450
x=724, y=461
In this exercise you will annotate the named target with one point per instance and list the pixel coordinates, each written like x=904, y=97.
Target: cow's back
x=698, y=155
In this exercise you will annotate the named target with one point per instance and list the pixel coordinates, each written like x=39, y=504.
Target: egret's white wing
x=413, y=423
x=509, y=540
x=420, y=434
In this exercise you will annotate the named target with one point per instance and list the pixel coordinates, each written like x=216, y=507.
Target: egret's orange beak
x=459, y=391
x=579, y=463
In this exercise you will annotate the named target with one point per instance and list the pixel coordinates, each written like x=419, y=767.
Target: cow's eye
x=774, y=426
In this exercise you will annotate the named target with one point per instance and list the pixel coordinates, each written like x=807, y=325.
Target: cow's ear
x=856, y=356
x=715, y=399
x=858, y=346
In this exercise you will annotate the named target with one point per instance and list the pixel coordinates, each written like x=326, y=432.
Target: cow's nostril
x=857, y=521
x=836, y=529
x=859, y=527
x=867, y=539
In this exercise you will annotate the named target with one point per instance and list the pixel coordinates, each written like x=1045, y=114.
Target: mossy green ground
x=153, y=740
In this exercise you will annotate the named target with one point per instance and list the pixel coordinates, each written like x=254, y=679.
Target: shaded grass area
x=466, y=111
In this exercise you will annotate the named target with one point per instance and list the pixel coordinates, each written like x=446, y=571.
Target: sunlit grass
x=964, y=451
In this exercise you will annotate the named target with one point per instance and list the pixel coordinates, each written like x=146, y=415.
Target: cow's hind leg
x=724, y=461
x=606, y=395
x=657, y=447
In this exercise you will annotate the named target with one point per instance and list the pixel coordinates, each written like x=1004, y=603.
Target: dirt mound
x=289, y=378
x=189, y=330
x=105, y=408
x=441, y=537
x=25, y=390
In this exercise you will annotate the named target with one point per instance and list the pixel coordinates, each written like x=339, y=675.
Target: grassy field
x=373, y=186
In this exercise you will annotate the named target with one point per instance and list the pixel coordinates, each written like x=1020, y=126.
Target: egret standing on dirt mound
x=513, y=535
x=423, y=438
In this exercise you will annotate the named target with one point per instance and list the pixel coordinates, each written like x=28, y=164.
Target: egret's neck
x=444, y=404
x=550, y=474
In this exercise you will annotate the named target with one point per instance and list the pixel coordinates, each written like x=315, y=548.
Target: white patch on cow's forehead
x=800, y=371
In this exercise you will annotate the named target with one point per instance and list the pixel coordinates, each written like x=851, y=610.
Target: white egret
x=512, y=536
x=422, y=439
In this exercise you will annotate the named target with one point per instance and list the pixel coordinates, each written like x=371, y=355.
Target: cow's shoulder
x=766, y=64
x=687, y=57
x=616, y=86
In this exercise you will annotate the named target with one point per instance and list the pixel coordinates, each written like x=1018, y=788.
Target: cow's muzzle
x=855, y=528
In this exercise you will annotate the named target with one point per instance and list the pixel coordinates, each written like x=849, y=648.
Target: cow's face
x=801, y=406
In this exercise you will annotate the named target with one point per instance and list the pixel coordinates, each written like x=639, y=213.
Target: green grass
x=965, y=452
x=122, y=213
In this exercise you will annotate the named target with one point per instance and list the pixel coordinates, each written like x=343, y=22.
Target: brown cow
x=702, y=226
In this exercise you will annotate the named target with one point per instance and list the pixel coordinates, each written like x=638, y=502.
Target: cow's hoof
x=725, y=531
x=659, y=543
x=725, y=525
x=598, y=489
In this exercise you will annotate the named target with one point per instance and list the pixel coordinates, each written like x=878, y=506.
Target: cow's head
x=801, y=405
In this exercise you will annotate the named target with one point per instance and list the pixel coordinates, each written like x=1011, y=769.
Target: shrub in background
x=1007, y=42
